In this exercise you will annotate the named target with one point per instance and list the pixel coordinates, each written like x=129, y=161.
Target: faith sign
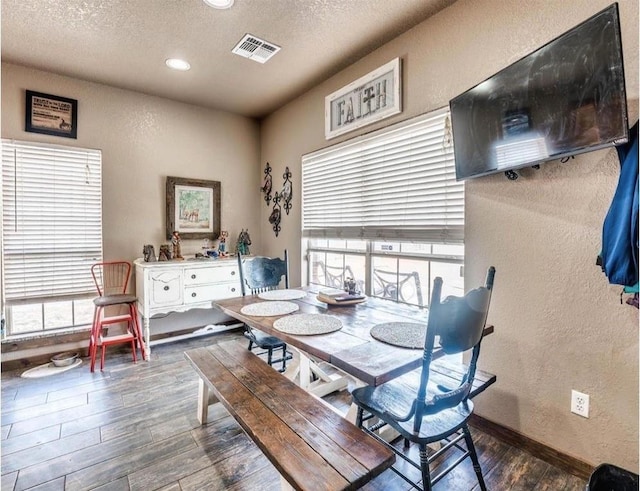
x=369, y=99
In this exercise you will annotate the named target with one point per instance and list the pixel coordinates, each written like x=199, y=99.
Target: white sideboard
x=177, y=286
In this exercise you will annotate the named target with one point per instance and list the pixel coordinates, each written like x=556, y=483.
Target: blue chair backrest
x=259, y=274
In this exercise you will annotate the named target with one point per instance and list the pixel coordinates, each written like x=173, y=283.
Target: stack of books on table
x=334, y=296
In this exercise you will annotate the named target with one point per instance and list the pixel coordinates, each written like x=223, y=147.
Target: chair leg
x=270, y=356
x=250, y=345
x=424, y=467
x=132, y=329
x=284, y=358
x=474, y=457
x=133, y=350
x=95, y=336
x=133, y=309
x=103, y=351
x=93, y=326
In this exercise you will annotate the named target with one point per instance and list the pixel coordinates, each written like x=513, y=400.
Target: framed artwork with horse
x=193, y=208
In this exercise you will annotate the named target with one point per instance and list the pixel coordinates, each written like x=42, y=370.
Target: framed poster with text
x=51, y=115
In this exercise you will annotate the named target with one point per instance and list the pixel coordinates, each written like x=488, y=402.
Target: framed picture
x=371, y=98
x=193, y=208
x=51, y=115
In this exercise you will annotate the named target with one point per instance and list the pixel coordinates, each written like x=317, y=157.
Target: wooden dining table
x=351, y=349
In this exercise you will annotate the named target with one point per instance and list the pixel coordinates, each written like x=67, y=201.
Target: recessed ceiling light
x=219, y=4
x=178, y=64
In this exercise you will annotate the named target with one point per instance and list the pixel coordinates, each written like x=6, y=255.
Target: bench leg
x=205, y=399
x=284, y=485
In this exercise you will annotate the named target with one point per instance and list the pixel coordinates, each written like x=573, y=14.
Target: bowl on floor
x=64, y=359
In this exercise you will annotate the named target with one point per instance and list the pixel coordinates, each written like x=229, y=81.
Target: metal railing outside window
x=401, y=272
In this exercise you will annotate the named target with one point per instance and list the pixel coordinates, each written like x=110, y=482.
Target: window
x=52, y=233
x=386, y=209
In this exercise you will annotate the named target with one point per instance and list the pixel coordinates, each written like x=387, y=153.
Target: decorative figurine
x=243, y=243
x=351, y=286
x=149, y=253
x=222, y=244
x=175, y=242
x=165, y=253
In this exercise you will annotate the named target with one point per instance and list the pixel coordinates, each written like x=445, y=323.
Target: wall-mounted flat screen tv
x=565, y=98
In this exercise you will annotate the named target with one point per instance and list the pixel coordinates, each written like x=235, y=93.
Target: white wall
x=558, y=324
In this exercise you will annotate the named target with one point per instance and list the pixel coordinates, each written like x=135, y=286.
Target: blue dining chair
x=258, y=275
x=434, y=413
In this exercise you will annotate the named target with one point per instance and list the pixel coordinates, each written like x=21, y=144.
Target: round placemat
x=269, y=309
x=402, y=334
x=282, y=295
x=308, y=324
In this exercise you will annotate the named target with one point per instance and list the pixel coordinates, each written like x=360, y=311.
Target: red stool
x=111, y=279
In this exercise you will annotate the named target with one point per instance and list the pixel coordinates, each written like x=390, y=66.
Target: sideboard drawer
x=196, y=276
x=205, y=293
x=217, y=274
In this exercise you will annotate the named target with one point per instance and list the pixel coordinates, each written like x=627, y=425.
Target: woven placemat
x=282, y=295
x=308, y=324
x=402, y=334
x=269, y=309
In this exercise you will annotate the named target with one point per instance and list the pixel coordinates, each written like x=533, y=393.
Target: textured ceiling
x=124, y=43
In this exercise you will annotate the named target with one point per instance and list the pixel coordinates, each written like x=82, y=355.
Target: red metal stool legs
x=97, y=338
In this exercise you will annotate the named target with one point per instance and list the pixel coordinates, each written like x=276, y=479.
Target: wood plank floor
x=134, y=427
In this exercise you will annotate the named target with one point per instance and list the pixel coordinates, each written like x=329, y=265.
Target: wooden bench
x=311, y=446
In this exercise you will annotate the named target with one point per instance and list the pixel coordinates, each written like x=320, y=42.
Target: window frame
x=73, y=175
x=433, y=157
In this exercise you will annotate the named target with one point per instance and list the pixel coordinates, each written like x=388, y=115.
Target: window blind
x=51, y=220
x=395, y=183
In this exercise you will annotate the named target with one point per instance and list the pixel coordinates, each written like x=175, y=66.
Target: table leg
x=300, y=370
x=293, y=367
x=326, y=384
x=305, y=371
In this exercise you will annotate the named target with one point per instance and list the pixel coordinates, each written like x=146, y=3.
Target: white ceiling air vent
x=255, y=48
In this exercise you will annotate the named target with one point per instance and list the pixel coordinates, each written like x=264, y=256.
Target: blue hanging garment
x=619, y=256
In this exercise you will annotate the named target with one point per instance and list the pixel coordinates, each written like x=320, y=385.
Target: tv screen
x=565, y=98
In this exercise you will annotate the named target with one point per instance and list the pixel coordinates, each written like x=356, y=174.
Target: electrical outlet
x=580, y=403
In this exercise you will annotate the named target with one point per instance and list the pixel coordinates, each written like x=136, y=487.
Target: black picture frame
x=51, y=115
